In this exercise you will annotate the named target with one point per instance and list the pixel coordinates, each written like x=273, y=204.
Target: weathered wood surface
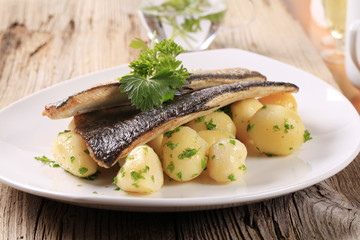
x=45, y=42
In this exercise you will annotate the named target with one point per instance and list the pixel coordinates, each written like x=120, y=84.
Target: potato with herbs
x=227, y=160
x=184, y=154
x=141, y=172
x=276, y=130
x=242, y=111
x=284, y=99
x=70, y=152
x=217, y=120
x=213, y=136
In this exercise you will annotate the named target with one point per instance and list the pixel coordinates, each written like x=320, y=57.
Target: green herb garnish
x=232, y=141
x=243, y=167
x=155, y=75
x=276, y=128
x=210, y=125
x=48, y=161
x=83, y=170
x=249, y=127
x=171, y=145
x=200, y=119
x=115, y=180
x=136, y=176
x=307, y=136
x=87, y=152
x=92, y=177
x=72, y=159
x=179, y=175
x=287, y=126
x=204, y=163
x=188, y=153
x=231, y=177
x=171, y=167
x=65, y=131
x=168, y=134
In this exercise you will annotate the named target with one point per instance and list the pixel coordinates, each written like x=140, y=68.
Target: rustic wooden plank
x=46, y=42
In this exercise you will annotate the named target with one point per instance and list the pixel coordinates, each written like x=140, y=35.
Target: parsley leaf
x=210, y=125
x=188, y=153
x=155, y=74
x=46, y=160
x=307, y=136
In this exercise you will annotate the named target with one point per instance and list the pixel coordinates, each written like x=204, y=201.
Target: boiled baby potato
x=284, y=99
x=141, y=172
x=213, y=136
x=227, y=160
x=214, y=121
x=276, y=130
x=70, y=152
x=242, y=111
x=184, y=154
x=156, y=144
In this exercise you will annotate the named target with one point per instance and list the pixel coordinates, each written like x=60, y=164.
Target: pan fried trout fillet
x=111, y=134
x=108, y=95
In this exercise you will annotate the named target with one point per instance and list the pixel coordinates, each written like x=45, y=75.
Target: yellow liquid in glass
x=335, y=13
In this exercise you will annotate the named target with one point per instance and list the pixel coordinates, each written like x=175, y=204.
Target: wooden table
x=46, y=42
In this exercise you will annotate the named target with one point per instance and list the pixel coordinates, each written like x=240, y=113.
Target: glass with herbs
x=193, y=24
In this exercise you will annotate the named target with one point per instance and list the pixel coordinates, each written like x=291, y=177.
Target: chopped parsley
x=145, y=149
x=249, y=127
x=243, y=167
x=122, y=171
x=232, y=141
x=115, y=180
x=87, y=152
x=231, y=177
x=221, y=144
x=270, y=155
x=65, y=131
x=179, y=175
x=200, y=119
x=92, y=177
x=83, y=170
x=152, y=178
x=287, y=126
x=194, y=175
x=204, y=163
x=95, y=192
x=276, y=128
x=171, y=145
x=213, y=157
x=264, y=107
x=48, y=161
x=117, y=189
x=307, y=136
x=168, y=134
x=171, y=167
x=72, y=159
x=136, y=176
x=210, y=125
x=188, y=153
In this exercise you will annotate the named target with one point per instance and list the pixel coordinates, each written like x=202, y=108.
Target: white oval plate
x=333, y=122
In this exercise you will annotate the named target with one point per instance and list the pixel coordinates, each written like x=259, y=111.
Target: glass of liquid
x=335, y=14
x=193, y=24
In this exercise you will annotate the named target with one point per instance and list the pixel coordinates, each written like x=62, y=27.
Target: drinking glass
x=335, y=14
x=193, y=24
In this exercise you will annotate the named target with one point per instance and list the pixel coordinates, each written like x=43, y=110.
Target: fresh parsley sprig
x=155, y=74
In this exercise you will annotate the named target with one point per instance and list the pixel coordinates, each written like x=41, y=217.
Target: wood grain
x=46, y=42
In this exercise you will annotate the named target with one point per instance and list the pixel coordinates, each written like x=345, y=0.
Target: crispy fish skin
x=110, y=136
x=107, y=95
